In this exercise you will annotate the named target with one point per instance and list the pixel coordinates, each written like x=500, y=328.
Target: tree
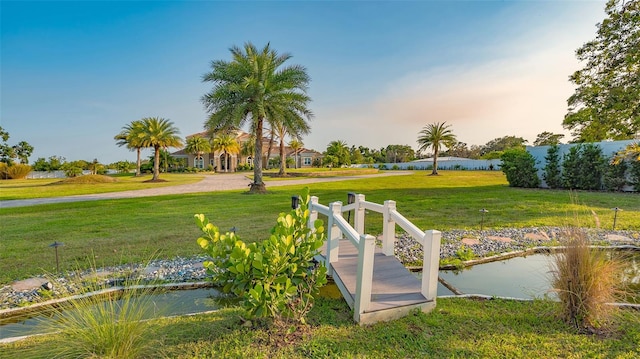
x=337, y=154
x=502, y=144
x=519, y=166
x=296, y=145
x=552, y=174
x=198, y=145
x=435, y=136
x=606, y=101
x=22, y=150
x=132, y=137
x=292, y=126
x=399, y=153
x=227, y=144
x=158, y=133
x=547, y=138
x=252, y=88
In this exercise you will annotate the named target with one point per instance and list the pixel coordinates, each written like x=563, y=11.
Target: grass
x=55, y=187
x=132, y=230
x=457, y=328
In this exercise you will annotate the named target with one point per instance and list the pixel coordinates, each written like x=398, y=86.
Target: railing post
x=388, y=228
x=313, y=213
x=334, y=235
x=358, y=218
x=364, y=276
x=430, y=264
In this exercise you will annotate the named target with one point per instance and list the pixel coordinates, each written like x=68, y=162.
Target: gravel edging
x=180, y=269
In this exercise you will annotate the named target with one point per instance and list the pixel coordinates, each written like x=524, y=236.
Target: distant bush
x=520, y=168
x=552, y=174
x=583, y=167
x=72, y=171
x=615, y=176
x=15, y=171
x=395, y=167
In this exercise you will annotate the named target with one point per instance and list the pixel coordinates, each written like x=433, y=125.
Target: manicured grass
x=52, y=187
x=457, y=328
x=134, y=230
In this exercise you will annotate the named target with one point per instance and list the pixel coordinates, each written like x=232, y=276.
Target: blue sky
x=74, y=73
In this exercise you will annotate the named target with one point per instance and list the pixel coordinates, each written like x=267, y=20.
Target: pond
x=177, y=302
x=520, y=277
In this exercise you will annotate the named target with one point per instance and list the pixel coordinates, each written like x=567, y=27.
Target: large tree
x=606, y=102
x=21, y=151
x=159, y=133
x=547, y=138
x=253, y=87
x=436, y=136
x=131, y=136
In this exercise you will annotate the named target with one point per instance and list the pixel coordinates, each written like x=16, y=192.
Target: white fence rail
x=339, y=228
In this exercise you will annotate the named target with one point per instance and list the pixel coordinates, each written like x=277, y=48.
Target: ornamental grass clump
x=110, y=324
x=586, y=280
x=275, y=278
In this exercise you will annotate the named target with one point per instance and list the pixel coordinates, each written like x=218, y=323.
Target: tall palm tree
x=340, y=151
x=159, y=133
x=198, y=145
x=130, y=136
x=435, y=136
x=296, y=145
x=227, y=144
x=253, y=87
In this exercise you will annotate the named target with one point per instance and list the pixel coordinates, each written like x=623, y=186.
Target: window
x=306, y=161
x=198, y=162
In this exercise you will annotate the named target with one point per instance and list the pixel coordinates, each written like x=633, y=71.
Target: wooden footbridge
x=371, y=279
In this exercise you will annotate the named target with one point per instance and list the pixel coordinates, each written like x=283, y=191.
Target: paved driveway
x=210, y=183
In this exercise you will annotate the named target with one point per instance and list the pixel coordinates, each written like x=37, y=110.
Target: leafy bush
x=520, y=168
x=583, y=167
x=73, y=171
x=15, y=171
x=395, y=167
x=552, y=174
x=634, y=175
x=615, y=176
x=277, y=277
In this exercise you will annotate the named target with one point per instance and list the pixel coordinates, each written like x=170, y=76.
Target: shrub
x=276, y=278
x=634, y=175
x=585, y=280
x=583, y=167
x=395, y=167
x=15, y=171
x=73, y=171
x=520, y=168
x=552, y=174
x=615, y=176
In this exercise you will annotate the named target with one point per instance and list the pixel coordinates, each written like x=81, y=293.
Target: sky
x=72, y=74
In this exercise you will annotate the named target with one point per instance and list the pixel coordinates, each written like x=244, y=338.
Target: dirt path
x=210, y=183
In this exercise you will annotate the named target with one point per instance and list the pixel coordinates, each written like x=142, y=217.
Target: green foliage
x=552, y=174
x=615, y=176
x=72, y=171
x=520, y=168
x=277, y=277
x=583, y=167
x=462, y=255
x=504, y=143
x=8, y=153
x=634, y=175
x=547, y=138
x=337, y=154
x=436, y=136
x=606, y=102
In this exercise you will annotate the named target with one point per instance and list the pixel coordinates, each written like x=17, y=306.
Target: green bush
x=615, y=176
x=634, y=175
x=552, y=174
x=583, y=167
x=520, y=168
x=276, y=278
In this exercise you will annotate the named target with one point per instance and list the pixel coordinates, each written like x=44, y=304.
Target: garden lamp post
x=55, y=245
x=615, y=216
x=295, y=202
x=483, y=211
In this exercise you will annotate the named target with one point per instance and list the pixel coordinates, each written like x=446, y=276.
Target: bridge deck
x=395, y=290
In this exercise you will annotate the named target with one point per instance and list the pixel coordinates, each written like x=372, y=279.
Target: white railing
x=339, y=228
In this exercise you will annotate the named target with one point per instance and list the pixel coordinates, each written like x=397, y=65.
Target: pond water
x=520, y=277
x=170, y=303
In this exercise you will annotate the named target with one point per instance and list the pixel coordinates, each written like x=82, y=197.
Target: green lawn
x=133, y=230
x=457, y=328
x=53, y=187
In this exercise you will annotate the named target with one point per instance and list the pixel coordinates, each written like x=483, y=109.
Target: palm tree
x=130, y=136
x=159, y=133
x=436, y=135
x=340, y=152
x=296, y=145
x=198, y=145
x=254, y=87
x=227, y=144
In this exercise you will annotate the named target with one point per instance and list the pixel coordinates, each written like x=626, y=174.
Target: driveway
x=210, y=183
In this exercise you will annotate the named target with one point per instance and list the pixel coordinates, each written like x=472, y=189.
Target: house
x=218, y=161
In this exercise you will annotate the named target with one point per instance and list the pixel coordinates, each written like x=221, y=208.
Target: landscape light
x=55, y=245
x=295, y=202
x=483, y=211
x=615, y=216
